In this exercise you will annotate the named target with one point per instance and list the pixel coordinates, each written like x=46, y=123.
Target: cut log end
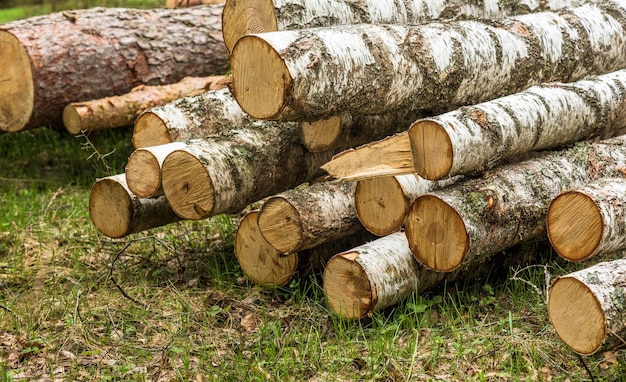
x=16, y=84
x=187, y=186
x=279, y=223
x=258, y=260
x=72, y=120
x=575, y=226
x=260, y=78
x=346, y=287
x=437, y=234
x=110, y=208
x=381, y=205
x=576, y=315
x=143, y=174
x=432, y=150
x=321, y=135
x=150, y=130
x=241, y=18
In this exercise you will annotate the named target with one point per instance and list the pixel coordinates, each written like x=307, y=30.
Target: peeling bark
x=143, y=169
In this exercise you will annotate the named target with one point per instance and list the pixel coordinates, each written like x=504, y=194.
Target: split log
x=143, y=169
x=118, y=111
x=540, y=118
x=589, y=220
x=306, y=217
x=100, y=52
x=116, y=212
x=587, y=307
x=466, y=223
x=242, y=17
x=382, y=203
x=309, y=74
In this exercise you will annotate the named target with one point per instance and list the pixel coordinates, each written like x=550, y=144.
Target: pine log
x=587, y=307
x=540, y=118
x=382, y=203
x=306, y=217
x=242, y=17
x=101, y=52
x=309, y=74
x=118, y=111
x=588, y=221
x=467, y=222
x=143, y=169
x=190, y=3
x=116, y=212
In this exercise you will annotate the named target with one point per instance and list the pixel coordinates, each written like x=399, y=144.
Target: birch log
x=306, y=217
x=116, y=212
x=100, y=52
x=540, y=118
x=242, y=17
x=118, y=111
x=466, y=223
x=589, y=220
x=309, y=74
x=143, y=169
x=587, y=307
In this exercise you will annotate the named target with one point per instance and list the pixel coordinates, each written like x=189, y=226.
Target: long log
x=116, y=212
x=242, y=17
x=123, y=110
x=540, y=118
x=190, y=3
x=309, y=74
x=466, y=223
x=587, y=307
x=306, y=217
x=589, y=220
x=100, y=52
x=143, y=169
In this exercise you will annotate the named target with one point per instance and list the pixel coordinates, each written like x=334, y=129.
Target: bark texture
x=190, y=3
x=542, y=117
x=466, y=223
x=309, y=73
x=588, y=308
x=589, y=220
x=101, y=52
x=116, y=212
x=143, y=169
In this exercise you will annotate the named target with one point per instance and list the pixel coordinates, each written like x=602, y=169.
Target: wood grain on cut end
x=261, y=79
x=150, y=130
x=347, y=287
x=187, y=185
x=381, y=205
x=576, y=315
x=575, y=226
x=432, y=150
x=280, y=224
x=16, y=84
x=321, y=135
x=436, y=233
x=242, y=17
x=143, y=174
x=110, y=208
x=72, y=120
x=259, y=261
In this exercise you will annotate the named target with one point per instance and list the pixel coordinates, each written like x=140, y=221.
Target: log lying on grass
x=589, y=220
x=587, y=307
x=466, y=223
x=118, y=111
x=100, y=52
x=308, y=74
x=189, y=3
x=143, y=169
x=116, y=212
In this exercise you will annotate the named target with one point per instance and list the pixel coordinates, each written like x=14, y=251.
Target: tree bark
x=101, y=52
x=118, y=111
x=116, y=212
x=540, y=118
x=306, y=217
x=242, y=17
x=308, y=74
x=143, y=169
x=589, y=220
x=466, y=223
x=587, y=307
x=190, y=3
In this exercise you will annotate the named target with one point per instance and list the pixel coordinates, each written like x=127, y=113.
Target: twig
x=580, y=357
x=101, y=157
x=112, y=279
x=76, y=306
x=542, y=294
